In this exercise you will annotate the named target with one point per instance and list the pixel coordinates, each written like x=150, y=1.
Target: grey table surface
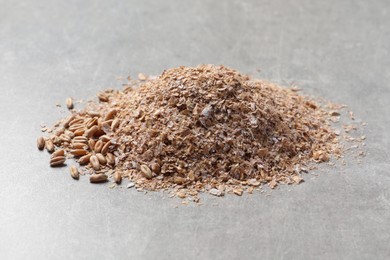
x=50, y=50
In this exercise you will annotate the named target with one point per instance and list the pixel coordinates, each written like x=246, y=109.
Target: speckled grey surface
x=50, y=50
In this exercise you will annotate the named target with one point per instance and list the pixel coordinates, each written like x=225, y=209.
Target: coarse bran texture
x=201, y=129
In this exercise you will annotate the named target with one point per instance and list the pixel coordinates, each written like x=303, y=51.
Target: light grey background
x=50, y=50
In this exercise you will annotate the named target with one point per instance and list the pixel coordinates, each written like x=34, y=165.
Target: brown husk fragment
x=207, y=128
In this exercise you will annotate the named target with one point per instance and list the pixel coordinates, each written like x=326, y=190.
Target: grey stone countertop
x=50, y=50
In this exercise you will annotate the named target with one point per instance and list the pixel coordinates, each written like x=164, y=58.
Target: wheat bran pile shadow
x=192, y=130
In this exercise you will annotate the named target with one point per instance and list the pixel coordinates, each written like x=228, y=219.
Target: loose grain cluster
x=192, y=130
x=82, y=136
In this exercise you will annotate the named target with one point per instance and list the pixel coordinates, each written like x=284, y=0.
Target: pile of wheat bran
x=190, y=130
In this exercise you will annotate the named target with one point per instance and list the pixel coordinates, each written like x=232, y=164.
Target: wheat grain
x=101, y=158
x=57, y=161
x=117, y=177
x=105, y=148
x=68, y=120
x=41, y=143
x=69, y=103
x=103, y=97
x=110, y=115
x=94, y=113
x=115, y=124
x=85, y=159
x=110, y=159
x=74, y=172
x=146, y=172
x=79, y=152
x=49, y=145
x=90, y=132
x=92, y=122
x=59, y=152
x=91, y=144
x=98, y=178
x=80, y=139
x=98, y=146
x=94, y=162
x=79, y=146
